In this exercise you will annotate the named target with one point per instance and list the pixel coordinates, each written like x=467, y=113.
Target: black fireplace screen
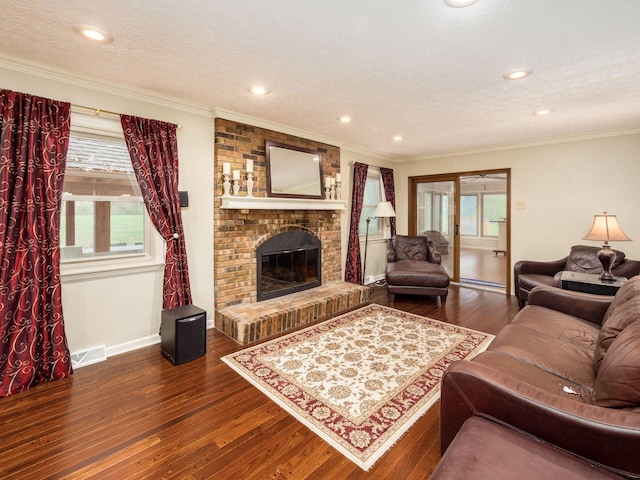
x=288, y=263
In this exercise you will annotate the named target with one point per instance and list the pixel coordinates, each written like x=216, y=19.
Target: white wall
x=377, y=248
x=123, y=312
x=562, y=186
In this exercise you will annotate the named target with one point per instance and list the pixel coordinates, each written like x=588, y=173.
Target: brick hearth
x=250, y=322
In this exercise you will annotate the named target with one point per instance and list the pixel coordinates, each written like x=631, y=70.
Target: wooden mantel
x=277, y=203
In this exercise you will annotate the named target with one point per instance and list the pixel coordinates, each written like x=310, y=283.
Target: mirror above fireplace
x=293, y=172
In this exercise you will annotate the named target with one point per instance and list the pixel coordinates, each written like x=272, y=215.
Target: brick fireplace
x=238, y=232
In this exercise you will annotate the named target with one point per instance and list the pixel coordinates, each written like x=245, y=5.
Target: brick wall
x=238, y=232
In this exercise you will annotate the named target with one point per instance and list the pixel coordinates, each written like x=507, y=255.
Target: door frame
x=455, y=177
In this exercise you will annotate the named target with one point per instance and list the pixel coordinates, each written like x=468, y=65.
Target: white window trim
x=77, y=270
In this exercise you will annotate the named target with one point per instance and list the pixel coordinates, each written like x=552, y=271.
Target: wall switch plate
x=521, y=204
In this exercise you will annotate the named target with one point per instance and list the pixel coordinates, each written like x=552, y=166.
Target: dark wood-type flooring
x=137, y=416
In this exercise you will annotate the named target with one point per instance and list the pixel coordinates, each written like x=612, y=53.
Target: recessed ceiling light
x=459, y=3
x=344, y=119
x=93, y=33
x=542, y=111
x=397, y=138
x=516, y=74
x=258, y=90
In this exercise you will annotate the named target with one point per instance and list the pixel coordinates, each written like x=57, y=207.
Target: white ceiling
x=417, y=68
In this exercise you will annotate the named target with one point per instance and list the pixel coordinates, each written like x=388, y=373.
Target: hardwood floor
x=136, y=416
x=476, y=264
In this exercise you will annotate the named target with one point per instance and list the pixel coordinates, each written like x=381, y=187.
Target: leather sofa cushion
x=419, y=274
x=585, y=259
x=558, y=356
x=629, y=290
x=559, y=325
x=483, y=449
x=622, y=317
x=510, y=367
x=411, y=248
x=618, y=380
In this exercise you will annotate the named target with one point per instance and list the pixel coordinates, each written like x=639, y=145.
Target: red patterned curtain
x=353, y=267
x=153, y=148
x=34, y=138
x=389, y=193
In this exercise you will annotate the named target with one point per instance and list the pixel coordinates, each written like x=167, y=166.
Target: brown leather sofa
x=528, y=274
x=413, y=268
x=566, y=370
x=485, y=450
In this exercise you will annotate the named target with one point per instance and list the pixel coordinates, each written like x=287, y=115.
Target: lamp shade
x=384, y=210
x=605, y=227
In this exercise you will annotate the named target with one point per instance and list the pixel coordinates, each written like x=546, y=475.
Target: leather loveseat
x=528, y=274
x=566, y=370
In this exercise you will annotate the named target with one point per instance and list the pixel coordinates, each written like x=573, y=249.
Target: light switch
x=521, y=204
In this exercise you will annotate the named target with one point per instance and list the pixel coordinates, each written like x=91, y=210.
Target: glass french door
x=435, y=216
x=466, y=215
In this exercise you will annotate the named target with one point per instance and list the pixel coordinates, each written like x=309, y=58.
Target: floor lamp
x=383, y=210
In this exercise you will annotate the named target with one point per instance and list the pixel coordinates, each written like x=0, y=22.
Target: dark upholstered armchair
x=413, y=268
x=528, y=274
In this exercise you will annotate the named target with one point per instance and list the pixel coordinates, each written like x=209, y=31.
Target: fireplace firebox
x=288, y=262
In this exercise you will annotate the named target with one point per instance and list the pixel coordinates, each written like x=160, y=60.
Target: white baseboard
x=101, y=353
x=133, y=345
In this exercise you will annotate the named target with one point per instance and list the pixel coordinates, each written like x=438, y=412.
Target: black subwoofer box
x=183, y=334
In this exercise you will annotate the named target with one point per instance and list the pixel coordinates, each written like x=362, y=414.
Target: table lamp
x=605, y=227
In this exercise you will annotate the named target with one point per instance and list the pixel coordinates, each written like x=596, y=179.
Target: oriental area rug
x=359, y=380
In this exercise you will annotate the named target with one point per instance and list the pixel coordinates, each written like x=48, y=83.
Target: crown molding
x=535, y=143
x=370, y=153
x=49, y=73
x=278, y=127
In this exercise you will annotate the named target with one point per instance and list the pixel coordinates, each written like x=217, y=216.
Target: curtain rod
x=98, y=111
x=353, y=162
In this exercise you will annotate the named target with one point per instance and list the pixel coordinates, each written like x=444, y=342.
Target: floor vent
x=88, y=357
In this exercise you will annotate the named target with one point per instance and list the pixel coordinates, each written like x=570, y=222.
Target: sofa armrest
x=540, y=268
x=628, y=269
x=433, y=255
x=391, y=251
x=582, y=305
x=607, y=436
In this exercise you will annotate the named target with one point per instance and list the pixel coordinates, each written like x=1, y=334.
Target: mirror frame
x=270, y=162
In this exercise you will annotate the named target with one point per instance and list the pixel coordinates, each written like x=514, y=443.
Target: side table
x=590, y=283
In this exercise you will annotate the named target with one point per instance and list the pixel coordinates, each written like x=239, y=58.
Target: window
x=372, y=196
x=444, y=214
x=104, y=224
x=102, y=209
x=469, y=215
x=494, y=208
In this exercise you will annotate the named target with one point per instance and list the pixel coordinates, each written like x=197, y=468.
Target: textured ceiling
x=417, y=68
